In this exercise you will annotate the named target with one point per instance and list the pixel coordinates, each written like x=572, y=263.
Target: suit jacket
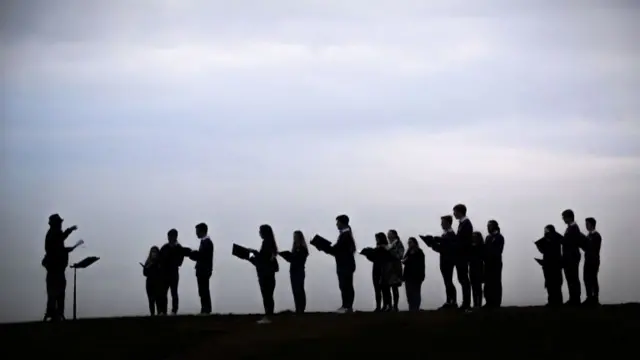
x=464, y=237
x=344, y=252
x=204, y=258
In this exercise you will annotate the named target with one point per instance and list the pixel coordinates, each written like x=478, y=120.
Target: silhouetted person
x=266, y=262
x=381, y=273
x=204, y=267
x=297, y=260
x=171, y=258
x=56, y=260
x=476, y=268
x=344, y=252
x=550, y=246
x=154, y=284
x=493, y=248
x=396, y=248
x=445, y=245
x=464, y=238
x=571, y=257
x=414, y=274
x=591, y=246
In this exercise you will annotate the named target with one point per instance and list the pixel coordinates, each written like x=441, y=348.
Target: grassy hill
x=534, y=332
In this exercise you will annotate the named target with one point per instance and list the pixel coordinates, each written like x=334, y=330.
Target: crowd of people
x=476, y=260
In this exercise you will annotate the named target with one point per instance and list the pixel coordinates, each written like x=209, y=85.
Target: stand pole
x=75, y=272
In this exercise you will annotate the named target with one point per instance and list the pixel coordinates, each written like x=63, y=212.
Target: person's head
x=201, y=230
x=392, y=235
x=590, y=223
x=381, y=239
x=172, y=236
x=412, y=243
x=476, y=238
x=459, y=211
x=55, y=221
x=154, y=252
x=342, y=222
x=568, y=216
x=492, y=226
x=549, y=229
x=446, y=222
x=299, y=242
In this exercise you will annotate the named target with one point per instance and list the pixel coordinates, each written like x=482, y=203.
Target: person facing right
x=571, y=257
x=154, y=284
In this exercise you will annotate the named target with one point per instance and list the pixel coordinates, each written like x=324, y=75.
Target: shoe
x=264, y=320
x=341, y=310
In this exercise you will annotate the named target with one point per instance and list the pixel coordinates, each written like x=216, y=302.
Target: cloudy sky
x=132, y=117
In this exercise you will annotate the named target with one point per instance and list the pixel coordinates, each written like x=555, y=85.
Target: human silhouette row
x=476, y=260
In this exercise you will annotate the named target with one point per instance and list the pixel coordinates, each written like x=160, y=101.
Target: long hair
x=381, y=239
x=299, y=241
x=154, y=249
x=268, y=239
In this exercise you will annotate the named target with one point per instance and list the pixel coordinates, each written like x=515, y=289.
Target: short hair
x=172, y=232
x=343, y=219
x=591, y=221
x=393, y=232
x=202, y=227
x=461, y=208
x=568, y=214
x=447, y=218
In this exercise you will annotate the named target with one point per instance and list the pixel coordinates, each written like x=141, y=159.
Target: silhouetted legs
x=395, y=291
x=475, y=277
x=155, y=295
x=204, y=293
x=446, y=269
x=56, y=289
x=377, y=287
x=267, y=282
x=172, y=285
x=493, y=283
x=386, y=297
x=297, y=288
x=571, y=273
x=590, y=277
x=553, y=283
x=345, y=282
x=462, y=270
x=413, y=292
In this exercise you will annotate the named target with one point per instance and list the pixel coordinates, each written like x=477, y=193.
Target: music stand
x=82, y=264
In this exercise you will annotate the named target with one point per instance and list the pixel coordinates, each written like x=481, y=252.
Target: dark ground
x=517, y=333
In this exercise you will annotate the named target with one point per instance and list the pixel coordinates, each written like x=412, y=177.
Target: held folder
x=321, y=243
x=240, y=252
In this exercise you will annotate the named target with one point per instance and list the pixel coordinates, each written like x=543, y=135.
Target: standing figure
x=171, y=258
x=56, y=261
x=154, y=285
x=464, y=238
x=445, y=245
x=591, y=246
x=414, y=274
x=344, y=252
x=571, y=257
x=266, y=262
x=476, y=268
x=298, y=259
x=550, y=246
x=397, y=251
x=381, y=272
x=493, y=248
x=204, y=267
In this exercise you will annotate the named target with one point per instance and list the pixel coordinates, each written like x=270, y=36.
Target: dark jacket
x=171, y=257
x=56, y=254
x=266, y=259
x=591, y=244
x=204, y=258
x=550, y=246
x=464, y=237
x=298, y=260
x=445, y=245
x=414, y=265
x=344, y=252
x=493, y=248
x=571, y=243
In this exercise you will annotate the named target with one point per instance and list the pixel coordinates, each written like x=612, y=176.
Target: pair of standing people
x=386, y=271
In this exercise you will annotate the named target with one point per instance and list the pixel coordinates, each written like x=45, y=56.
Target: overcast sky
x=132, y=117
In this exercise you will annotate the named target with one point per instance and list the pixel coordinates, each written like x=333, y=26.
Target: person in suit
x=550, y=246
x=344, y=251
x=297, y=260
x=493, y=248
x=396, y=248
x=445, y=245
x=464, y=238
x=414, y=274
x=381, y=273
x=204, y=267
x=571, y=257
x=154, y=285
x=476, y=268
x=266, y=263
x=171, y=258
x=56, y=261
x=591, y=246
